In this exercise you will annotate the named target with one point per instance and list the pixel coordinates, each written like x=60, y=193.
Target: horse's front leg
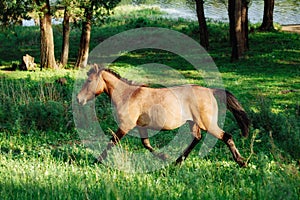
x=146, y=143
x=145, y=139
x=114, y=140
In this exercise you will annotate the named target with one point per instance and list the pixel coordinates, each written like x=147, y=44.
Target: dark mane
x=99, y=69
x=123, y=79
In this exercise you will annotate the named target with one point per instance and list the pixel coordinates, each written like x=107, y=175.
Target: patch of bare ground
x=294, y=28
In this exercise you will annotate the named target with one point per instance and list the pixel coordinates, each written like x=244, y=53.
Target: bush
x=8, y=113
x=43, y=116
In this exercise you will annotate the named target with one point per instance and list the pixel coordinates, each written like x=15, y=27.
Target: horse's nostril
x=79, y=100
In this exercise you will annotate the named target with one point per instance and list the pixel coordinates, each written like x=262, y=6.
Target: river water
x=285, y=11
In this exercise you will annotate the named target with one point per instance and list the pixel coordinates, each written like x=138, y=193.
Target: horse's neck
x=115, y=88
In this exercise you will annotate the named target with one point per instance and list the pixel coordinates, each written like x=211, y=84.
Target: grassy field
x=43, y=157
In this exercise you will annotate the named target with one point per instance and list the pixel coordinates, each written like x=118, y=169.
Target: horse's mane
x=97, y=69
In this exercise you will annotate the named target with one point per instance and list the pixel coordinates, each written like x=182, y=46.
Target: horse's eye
x=89, y=80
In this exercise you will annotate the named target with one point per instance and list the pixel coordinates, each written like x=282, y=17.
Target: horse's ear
x=93, y=69
x=96, y=68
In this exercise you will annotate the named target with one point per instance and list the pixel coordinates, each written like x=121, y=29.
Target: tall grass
x=30, y=103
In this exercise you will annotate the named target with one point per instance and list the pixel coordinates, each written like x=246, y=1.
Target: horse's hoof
x=96, y=161
x=243, y=164
x=163, y=156
x=179, y=161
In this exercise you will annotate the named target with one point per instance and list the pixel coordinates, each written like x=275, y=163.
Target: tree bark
x=66, y=36
x=238, y=22
x=267, y=24
x=245, y=24
x=204, y=40
x=83, y=52
x=47, y=42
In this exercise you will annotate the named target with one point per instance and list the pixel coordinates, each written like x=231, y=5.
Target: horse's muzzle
x=81, y=101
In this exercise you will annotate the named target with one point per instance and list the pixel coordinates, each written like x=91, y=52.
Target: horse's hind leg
x=146, y=142
x=197, y=137
x=228, y=140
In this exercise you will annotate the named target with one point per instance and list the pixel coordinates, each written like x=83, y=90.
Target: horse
x=163, y=109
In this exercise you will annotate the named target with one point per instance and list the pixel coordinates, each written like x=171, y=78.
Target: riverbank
x=218, y=11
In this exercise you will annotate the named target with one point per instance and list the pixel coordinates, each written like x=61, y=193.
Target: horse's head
x=93, y=86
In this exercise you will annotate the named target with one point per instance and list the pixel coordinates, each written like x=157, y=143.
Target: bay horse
x=163, y=109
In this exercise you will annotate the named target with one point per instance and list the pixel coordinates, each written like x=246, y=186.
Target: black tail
x=235, y=107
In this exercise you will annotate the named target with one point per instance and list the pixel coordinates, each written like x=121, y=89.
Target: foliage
x=14, y=10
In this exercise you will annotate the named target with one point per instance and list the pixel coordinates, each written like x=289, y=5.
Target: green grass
x=43, y=157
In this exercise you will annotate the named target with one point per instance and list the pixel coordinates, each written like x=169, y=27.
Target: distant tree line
x=88, y=11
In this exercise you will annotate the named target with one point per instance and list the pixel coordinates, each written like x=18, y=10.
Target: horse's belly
x=160, y=125
x=161, y=119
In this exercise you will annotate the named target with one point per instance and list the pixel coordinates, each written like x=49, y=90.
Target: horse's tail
x=235, y=107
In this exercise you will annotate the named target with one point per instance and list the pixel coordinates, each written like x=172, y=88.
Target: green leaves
x=13, y=10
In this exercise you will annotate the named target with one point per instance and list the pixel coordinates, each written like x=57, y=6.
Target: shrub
x=8, y=113
x=43, y=116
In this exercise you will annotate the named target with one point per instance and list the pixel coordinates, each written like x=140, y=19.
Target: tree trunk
x=267, y=24
x=202, y=24
x=66, y=35
x=245, y=29
x=238, y=22
x=83, y=52
x=235, y=28
x=47, y=43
